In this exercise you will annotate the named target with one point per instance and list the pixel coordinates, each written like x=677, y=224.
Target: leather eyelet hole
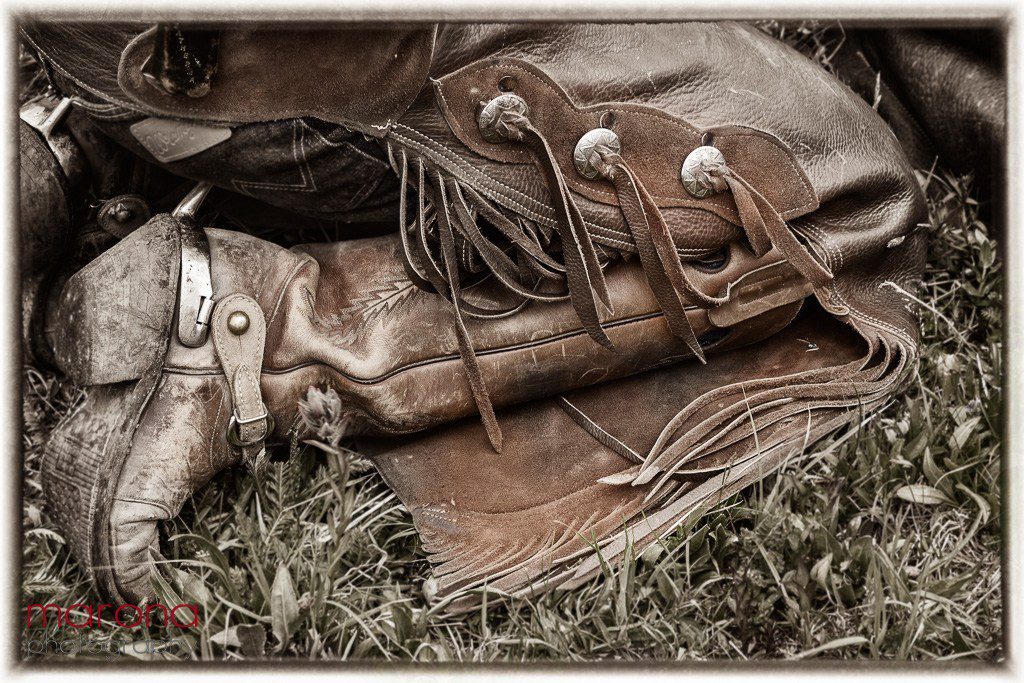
x=608, y=119
x=507, y=84
x=712, y=263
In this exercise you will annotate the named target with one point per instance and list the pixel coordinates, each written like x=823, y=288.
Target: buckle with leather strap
x=233, y=433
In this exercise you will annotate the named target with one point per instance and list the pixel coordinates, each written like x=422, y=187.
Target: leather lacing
x=528, y=272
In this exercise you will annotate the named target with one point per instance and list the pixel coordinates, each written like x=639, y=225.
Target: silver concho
x=489, y=114
x=695, y=171
x=585, y=147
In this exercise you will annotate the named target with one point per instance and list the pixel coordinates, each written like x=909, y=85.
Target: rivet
x=238, y=323
x=490, y=114
x=585, y=147
x=695, y=169
x=123, y=214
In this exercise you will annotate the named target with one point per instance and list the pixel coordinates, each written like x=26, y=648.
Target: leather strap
x=759, y=291
x=239, y=342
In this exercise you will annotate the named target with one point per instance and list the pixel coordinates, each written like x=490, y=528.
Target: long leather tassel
x=432, y=273
x=583, y=270
x=414, y=273
x=469, y=360
x=654, y=243
x=765, y=227
x=668, y=296
x=535, y=258
x=497, y=261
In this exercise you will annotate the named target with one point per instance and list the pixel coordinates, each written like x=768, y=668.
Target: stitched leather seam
x=832, y=250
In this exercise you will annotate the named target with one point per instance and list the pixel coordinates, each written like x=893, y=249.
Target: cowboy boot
x=196, y=348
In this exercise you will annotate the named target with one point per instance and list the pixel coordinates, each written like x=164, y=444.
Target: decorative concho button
x=585, y=147
x=489, y=115
x=695, y=171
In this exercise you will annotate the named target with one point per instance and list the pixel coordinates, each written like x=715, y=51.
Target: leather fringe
x=704, y=455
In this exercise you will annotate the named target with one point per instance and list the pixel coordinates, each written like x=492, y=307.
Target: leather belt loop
x=239, y=332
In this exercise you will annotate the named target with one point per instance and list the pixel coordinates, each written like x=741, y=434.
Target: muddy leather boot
x=196, y=348
x=74, y=202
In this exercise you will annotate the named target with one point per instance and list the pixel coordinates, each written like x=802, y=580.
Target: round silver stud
x=695, y=175
x=238, y=323
x=585, y=147
x=489, y=115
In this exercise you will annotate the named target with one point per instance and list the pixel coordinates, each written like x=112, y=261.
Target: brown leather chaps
x=648, y=262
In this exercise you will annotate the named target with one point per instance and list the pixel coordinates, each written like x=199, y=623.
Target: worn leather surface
x=264, y=74
x=681, y=70
x=346, y=319
x=109, y=329
x=564, y=451
x=272, y=73
x=943, y=92
x=129, y=296
x=340, y=317
x=868, y=199
x=761, y=159
x=46, y=206
x=862, y=228
x=954, y=88
x=345, y=315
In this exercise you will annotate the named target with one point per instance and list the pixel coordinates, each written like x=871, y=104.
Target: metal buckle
x=232, y=431
x=195, y=285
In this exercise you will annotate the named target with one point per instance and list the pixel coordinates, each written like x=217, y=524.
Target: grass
x=882, y=543
x=827, y=559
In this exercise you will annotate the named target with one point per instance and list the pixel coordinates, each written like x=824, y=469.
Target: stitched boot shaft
x=161, y=417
